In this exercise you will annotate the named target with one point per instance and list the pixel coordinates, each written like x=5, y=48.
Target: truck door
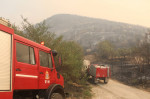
x=26, y=70
x=46, y=70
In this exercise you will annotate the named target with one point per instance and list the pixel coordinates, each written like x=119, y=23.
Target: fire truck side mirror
x=59, y=63
x=54, y=52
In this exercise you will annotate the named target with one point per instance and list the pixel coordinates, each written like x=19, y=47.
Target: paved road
x=116, y=90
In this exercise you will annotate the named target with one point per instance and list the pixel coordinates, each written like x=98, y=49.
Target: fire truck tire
x=106, y=80
x=94, y=80
x=56, y=96
x=55, y=91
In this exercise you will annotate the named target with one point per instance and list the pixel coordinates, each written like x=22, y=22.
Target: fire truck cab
x=27, y=69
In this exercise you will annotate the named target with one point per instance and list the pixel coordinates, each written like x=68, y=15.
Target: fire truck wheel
x=106, y=80
x=95, y=81
x=56, y=96
x=55, y=91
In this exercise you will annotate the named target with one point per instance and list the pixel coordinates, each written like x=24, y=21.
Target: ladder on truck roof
x=5, y=22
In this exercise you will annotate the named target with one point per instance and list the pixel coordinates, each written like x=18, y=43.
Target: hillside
x=89, y=31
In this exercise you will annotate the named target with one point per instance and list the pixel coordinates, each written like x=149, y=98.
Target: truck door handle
x=41, y=72
x=18, y=69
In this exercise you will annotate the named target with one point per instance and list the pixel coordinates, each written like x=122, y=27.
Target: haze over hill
x=89, y=31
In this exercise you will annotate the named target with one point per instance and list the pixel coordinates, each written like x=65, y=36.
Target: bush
x=72, y=56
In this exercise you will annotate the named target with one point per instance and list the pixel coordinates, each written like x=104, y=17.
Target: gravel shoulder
x=117, y=90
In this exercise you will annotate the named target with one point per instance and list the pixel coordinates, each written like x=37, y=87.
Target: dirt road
x=116, y=90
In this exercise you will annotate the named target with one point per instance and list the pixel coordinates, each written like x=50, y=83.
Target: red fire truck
x=99, y=72
x=27, y=68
